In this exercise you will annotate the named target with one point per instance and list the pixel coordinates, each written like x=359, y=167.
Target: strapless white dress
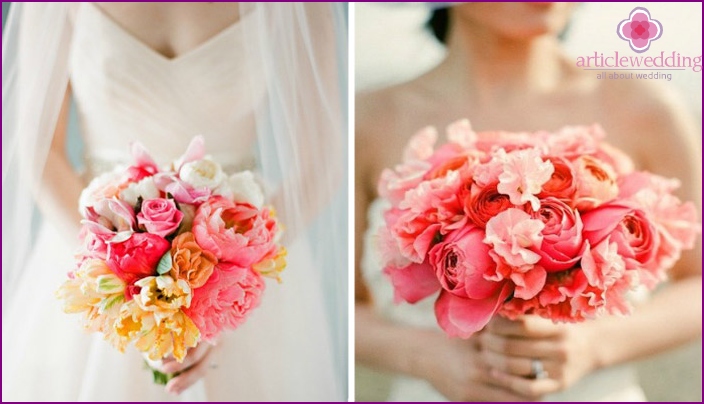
x=125, y=91
x=614, y=384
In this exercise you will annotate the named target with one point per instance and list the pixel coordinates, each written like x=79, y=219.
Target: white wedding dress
x=124, y=92
x=614, y=384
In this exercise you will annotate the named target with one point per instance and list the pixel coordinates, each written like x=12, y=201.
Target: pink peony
x=136, y=257
x=524, y=173
x=628, y=227
x=237, y=233
x=462, y=317
x=413, y=282
x=225, y=300
x=460, y=262
x=159, y=216
x=562, y=244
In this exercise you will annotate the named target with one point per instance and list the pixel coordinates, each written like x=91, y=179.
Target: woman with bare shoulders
x=505, y=70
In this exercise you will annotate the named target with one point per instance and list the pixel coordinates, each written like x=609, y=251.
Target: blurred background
x=392, y=45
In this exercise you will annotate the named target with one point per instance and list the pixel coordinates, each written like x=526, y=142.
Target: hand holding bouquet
x=171, y=257
x=553, y=224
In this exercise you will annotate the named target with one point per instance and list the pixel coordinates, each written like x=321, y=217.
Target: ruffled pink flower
x=421, y=146
x=394, y=184
x=429, y=210
x=136, y=257
x=602, y=265
x=514, y=236
x=159, y=216
x=225, y=300
x=461, y=262
x=237, y=233
x=562, y=243
x=574, y=141
x=524, y=173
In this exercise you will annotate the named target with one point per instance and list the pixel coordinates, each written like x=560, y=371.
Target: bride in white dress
x=261, y=83
x=505, y=70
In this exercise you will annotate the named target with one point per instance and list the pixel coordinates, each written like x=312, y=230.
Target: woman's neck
x=491, y=67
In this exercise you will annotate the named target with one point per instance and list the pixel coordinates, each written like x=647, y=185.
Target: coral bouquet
x=558, y=225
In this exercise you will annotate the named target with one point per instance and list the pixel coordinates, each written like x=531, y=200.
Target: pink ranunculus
x=427, y=211
x=562, y=184
x=514, y=236
x=159, y=216
x=394, y=184
x=596, y=183
x=626, y=225
x=144, y=164
x=462, y=317
x=602, y=265
x=237, y=233
x=412, y=283
x=136, y=257
x=112, y=214
x=483, y=203
x=524, y=173
x=225, y=300
x=562, y=244
x=180, y=190
x=461, y=262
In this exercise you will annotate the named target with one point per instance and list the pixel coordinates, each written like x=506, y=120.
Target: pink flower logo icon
x=639, y=29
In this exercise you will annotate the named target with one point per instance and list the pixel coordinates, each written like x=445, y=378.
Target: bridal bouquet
x=171, y=257
x=553, y=224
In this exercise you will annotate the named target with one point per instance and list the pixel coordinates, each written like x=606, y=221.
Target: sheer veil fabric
x=295, y=54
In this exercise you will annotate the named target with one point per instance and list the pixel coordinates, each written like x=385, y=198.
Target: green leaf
x=164, y=264
x=159, y=377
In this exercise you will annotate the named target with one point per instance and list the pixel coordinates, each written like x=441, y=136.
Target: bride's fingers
x=533, y=388
x=186, y=379
x=515, y=365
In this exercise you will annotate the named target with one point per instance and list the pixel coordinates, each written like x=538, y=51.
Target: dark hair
x=439, y=24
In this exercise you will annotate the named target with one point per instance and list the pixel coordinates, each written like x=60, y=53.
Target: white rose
x=202, y=173
x=144, y=188
x=103, y=186
x=242, y=187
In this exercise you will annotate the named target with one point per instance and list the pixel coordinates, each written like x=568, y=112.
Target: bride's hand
x=458, y=371
x=565, y=351
x=197, y=362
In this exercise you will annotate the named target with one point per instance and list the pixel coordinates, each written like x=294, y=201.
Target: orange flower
x=190, y=262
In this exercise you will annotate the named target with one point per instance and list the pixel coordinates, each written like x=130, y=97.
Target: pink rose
x=460, y=262
x=159, y=216
x=137, y=257
x=483, y=203
x=628, y=227
x=562, y=244
x=562, y=183
x=596, y=183
x=237, y=233
x=225, y=300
